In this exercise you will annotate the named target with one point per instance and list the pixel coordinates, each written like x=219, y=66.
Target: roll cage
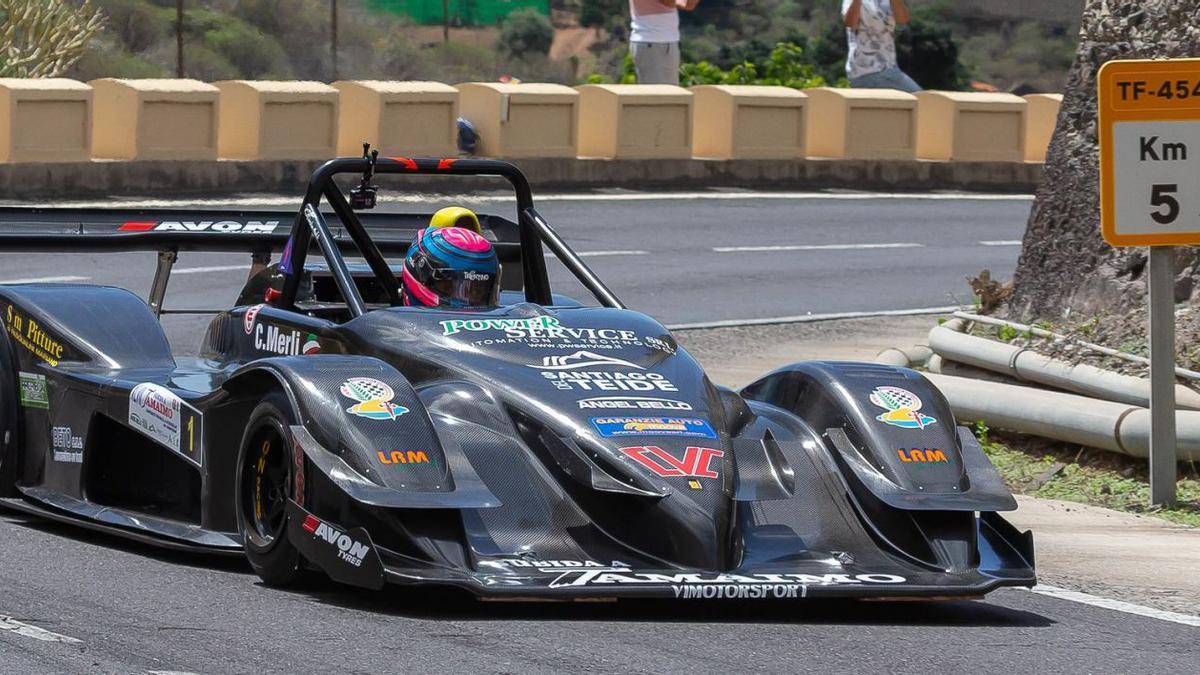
x=310, y=227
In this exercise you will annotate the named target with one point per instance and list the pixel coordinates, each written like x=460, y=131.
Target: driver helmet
x=456, y=216
x=451, y=267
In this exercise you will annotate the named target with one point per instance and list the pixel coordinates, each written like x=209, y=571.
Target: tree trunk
x=1065, y=267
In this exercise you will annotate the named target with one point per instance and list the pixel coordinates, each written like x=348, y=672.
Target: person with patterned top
x=870, y=32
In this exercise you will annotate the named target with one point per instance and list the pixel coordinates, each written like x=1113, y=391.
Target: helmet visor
x=457, y=287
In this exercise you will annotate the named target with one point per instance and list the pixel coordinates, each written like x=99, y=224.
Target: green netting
x=462, y=12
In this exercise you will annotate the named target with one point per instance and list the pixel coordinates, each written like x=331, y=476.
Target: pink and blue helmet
x=451, y=267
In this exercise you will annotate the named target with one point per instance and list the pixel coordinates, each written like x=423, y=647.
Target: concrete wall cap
x=660, y=92
x=873, y=95
x=43, y=84
x=278, y=87
x=752, y=90
x=1044, y=97
x=159, y=85
x=750, y=93
x=397, y=87
x=974, y=100
x=524, y=88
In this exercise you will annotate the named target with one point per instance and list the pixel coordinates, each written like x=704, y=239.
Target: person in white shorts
x=654, y=39
x=870, y=32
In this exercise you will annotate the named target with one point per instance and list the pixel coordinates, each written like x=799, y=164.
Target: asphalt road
x=72, y=601
x=135, y=609
x=696, y=259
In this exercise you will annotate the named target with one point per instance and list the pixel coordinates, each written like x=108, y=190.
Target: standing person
x=870, y=32
x=654, y=39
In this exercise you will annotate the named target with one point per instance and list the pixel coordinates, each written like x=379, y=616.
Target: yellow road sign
x=1150, y=152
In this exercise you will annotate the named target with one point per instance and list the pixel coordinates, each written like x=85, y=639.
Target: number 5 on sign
x=1150, y=152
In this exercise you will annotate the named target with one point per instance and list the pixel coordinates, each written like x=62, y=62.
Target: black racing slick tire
x=10, y=419
x=267, y=479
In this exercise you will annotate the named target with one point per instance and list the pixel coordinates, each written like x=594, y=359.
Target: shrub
x=928, y=53
x=43, y=38
x=137, y=25
x=525, y=31
x=786, y=65
x=255, y=55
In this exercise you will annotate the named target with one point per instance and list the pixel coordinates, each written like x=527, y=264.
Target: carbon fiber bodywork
x=541, y=449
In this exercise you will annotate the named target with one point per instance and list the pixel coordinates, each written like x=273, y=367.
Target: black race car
x=545, y=449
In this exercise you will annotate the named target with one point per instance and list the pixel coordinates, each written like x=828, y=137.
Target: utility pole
x=179, y=70
x=445, y=22
x=333, y=34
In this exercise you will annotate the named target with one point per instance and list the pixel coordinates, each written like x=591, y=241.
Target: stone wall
x=1065, y=266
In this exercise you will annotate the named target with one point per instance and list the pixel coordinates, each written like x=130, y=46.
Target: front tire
x=266, y=481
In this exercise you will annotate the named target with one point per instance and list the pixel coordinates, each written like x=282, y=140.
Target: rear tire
x=10, y=419
x=266, y=480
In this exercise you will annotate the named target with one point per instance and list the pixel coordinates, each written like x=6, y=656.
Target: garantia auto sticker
x=903, y=408
x=632, y=403
x=696, y=462
x=158, y=413
x=34, y=393
x=374, y=399
x=609, y=427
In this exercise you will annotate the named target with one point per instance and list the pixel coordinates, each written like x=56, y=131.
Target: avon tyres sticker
x=609, y=427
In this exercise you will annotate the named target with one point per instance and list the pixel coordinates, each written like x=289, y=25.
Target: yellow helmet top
x=456, y=216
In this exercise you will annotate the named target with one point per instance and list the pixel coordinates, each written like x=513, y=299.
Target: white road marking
x=810, y=318
x=39, y=280
x=170, y=672
x=211, y=268
x=7, y=623
x=1001, y=242
x=1116, y=605
x=598, y=254
x=294, y=202
x=813, y=247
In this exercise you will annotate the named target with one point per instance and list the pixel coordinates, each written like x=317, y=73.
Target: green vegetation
x=796, y=43
x=941, y=48
x=290, y=39
x=1085, y=475
x=526, y=31
x=787, y=65
x=43, y=38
